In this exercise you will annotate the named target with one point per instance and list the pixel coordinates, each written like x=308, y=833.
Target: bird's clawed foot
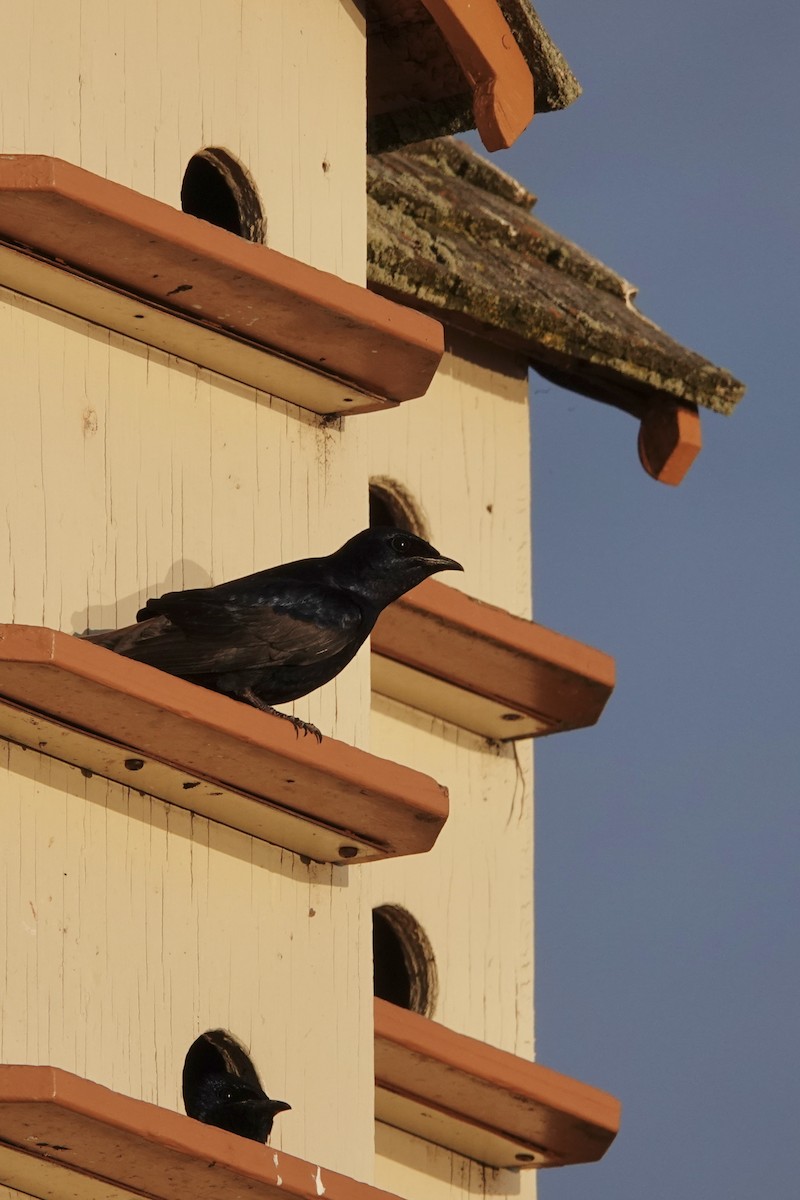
x=306, y=726
x=251, y=697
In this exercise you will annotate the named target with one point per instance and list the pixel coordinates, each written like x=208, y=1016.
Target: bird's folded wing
x=202, y=635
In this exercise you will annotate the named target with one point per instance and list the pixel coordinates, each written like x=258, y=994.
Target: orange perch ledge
x=210, y=754
x=486, y=50
x=61, y=1135
x=132, y=264
x=484, y=669
x=483, y=1102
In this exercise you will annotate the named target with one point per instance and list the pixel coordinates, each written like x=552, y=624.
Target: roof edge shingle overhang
x=452, y=235
x=442, y=66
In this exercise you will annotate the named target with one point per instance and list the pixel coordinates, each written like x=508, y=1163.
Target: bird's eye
x=402, y=545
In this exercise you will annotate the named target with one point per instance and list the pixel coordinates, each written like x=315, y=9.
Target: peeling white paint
x=318, y=1182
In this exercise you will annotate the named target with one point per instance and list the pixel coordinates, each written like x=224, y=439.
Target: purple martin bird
x=221, y=1087
x=230, y=1103
x=277, y=635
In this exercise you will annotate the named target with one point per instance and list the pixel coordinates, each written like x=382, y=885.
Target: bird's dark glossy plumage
x=221, y=1087
x=230, y=1103
x=274, y=636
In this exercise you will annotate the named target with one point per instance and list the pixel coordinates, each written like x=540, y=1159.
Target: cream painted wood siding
x=463, y=454
x=127, y=927
x=129, y=475
x=130, y=926
x=132, y=91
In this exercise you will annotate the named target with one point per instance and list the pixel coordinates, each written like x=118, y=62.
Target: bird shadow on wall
x=184, y=573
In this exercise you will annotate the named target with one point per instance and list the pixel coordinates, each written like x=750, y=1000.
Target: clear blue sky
x=668, y=968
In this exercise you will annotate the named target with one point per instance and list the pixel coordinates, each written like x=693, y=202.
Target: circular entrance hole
x=404, y=966
x=215, y=1052
x=218, y=189
x=391, y=504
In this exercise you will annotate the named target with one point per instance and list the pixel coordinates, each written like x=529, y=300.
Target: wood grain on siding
x=465, y=462
x=132, y=925
x=131, y=92
x=182, y=480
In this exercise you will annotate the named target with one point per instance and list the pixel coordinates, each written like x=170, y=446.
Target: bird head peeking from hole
x=279, y=634
x=221, y=1087
x=235, y=1105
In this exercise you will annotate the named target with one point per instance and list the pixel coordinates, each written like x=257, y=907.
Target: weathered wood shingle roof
x=416, y=88
x=453, y=235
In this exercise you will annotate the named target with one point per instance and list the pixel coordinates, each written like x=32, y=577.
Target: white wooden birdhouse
x=217, y=360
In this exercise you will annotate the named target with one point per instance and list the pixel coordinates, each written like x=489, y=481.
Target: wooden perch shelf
x=129, y=263
x=484, y=669
x=64, y=1136
x=207, y=753
x=483, y=1102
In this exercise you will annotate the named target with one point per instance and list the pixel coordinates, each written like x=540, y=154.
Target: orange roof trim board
x=437, y=67
x=207, y=753
x=61, y=1135
x=485, y=669
x=485, y=49
x=129, y=263
x=670, y=439
x=482, y=1102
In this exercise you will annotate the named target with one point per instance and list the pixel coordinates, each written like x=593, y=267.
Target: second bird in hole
x=221, y=1087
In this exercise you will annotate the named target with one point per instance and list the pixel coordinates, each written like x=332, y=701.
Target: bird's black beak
x=445, y=564
x=279, y=1106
